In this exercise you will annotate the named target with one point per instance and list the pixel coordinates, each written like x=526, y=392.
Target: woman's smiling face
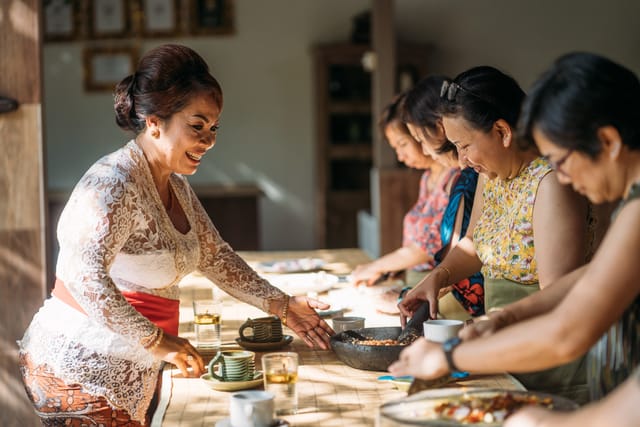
x=481, y=151
x=189, y=134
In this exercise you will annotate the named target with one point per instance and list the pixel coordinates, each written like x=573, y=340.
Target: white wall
x=265, y=69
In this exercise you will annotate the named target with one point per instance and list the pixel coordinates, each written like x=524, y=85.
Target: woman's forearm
x=461, y=262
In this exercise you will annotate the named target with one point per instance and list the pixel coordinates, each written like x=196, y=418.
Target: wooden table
x=330, y=392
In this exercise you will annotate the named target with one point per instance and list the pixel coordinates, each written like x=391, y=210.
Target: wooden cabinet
x=344, y=134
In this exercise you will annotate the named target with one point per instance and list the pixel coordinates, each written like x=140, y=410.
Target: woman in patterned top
x=584, y=116
x=421, y=226
x=521, y=218
x=132, y=229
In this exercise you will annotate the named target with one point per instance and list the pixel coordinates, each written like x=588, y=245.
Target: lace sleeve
x=93, y=228
x=225, y=268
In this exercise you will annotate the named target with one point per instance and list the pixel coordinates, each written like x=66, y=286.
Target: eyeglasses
x=557, y=165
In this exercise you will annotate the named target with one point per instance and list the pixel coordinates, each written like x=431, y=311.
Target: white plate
x=232, y=385
x=302, y=283
x=290, y=265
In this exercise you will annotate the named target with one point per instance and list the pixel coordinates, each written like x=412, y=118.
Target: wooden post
x=22, y=209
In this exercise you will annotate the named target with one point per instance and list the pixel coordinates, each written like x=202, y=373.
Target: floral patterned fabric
x=468, y=292
x=115, y=235
x=421, y=225
x=503, y=236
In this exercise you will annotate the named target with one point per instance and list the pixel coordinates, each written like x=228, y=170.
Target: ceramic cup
x=235, y=365
x=440, y=330
x=349, y=322
x=251, y=409
x=262, y=329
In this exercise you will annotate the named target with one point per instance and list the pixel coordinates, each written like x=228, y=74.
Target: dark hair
x=580, y=93
x=422, y=107
x=165, y=81
x=483, y=95
x=392, y=115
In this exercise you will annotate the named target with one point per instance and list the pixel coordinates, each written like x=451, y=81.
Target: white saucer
x=278, y=422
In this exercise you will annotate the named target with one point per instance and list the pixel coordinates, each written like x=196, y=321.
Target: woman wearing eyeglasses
x=526, y=229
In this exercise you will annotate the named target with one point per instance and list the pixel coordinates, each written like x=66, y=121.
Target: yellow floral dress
x=503, y=236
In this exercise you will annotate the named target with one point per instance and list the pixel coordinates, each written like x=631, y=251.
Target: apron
x=569, y=380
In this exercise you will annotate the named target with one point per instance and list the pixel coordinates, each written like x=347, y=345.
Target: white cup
x=345, y=323
x=251, y=409
x=440, y=330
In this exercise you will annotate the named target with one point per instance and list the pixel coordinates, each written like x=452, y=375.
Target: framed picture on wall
x=109, y=19
x=60, y=19
x=212, y=17
x=104, y=68
x=160, y=17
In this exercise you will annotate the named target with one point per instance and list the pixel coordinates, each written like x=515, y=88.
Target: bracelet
x=285, y=309
x=403, y=291
x=156, y=342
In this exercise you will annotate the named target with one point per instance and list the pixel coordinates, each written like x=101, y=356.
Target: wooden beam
x=384, y=75
x=22, y=210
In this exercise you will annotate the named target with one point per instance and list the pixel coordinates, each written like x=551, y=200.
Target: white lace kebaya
x=115, y=235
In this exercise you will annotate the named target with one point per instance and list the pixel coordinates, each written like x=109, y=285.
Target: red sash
x=163, y=312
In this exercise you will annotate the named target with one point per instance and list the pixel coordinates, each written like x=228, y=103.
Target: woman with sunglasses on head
x=421, y=225
x=526, y=230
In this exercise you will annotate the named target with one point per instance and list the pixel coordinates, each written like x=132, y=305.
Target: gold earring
x=155, y=133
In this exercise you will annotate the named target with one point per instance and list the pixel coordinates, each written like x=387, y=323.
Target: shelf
x=348, y=150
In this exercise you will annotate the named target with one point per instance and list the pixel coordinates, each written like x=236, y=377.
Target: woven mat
x=330, y=393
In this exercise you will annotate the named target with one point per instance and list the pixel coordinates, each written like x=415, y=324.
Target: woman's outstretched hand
x=181, y=353
x=303, y=319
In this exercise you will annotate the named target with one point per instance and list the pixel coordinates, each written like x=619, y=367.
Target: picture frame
x=160, y=18
x=60, y=20
x=109, y=19
x=104, y=68
x=210, y=17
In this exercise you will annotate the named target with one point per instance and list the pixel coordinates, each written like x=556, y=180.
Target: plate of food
x=294, y=265
x=232, y=385
x=448, y=407
x=303, y=283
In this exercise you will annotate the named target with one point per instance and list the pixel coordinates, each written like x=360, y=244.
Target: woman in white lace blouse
x=132, y=229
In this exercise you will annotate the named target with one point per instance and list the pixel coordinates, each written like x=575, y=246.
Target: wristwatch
x=448, y=346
